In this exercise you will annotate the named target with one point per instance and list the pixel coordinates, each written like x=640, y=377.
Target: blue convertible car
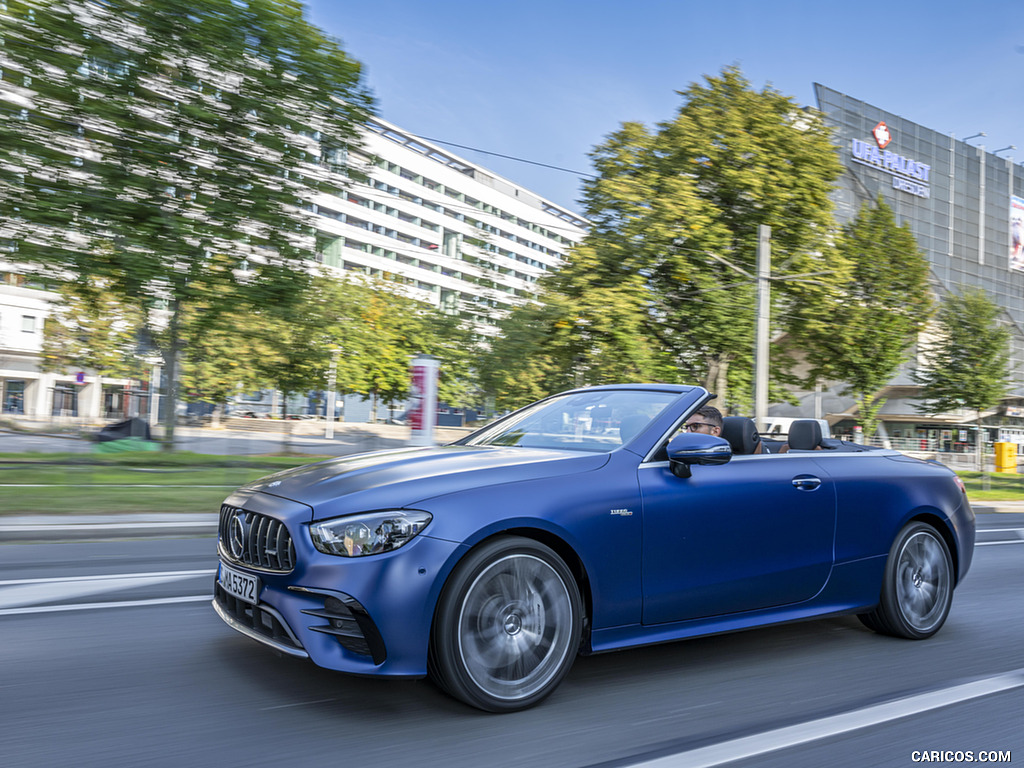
x=590, y=521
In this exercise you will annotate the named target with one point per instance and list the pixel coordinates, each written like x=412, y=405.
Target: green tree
x=219, y=359
x=661, y=286
x=294, y=342
x=90, y=327
x=519, y=365
x=450, y=338
x=968, y=365
x=393, y=328
x=586, y=330
x=875, y=315
x=144, y=142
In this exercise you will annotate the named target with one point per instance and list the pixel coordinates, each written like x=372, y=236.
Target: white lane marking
x=21, y=592
x=96, y=606
x=826, y=727
x=100, y=577
x=996, y=543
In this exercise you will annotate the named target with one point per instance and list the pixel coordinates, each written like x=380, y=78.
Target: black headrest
x=741, y=434
x=804, y=435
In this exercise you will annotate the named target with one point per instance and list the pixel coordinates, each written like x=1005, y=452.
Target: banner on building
x=1017, y=233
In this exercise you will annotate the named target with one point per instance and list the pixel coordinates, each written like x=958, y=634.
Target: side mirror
x=691, y=448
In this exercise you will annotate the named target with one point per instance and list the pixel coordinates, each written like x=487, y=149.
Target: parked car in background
x=587, y=522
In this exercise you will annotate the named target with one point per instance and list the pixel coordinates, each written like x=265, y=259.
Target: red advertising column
x=423, y=400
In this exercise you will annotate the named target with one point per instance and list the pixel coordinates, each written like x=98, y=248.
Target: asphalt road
x=110, y=655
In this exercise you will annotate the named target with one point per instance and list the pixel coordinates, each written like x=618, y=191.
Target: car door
x=755, y=532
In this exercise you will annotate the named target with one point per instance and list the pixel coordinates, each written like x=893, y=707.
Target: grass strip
x=101, y=500
x=101, y=484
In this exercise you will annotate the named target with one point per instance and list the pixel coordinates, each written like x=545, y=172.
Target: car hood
x=401, y=478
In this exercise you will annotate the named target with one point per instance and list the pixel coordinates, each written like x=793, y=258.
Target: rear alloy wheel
x=918, y=587
x=508, y=626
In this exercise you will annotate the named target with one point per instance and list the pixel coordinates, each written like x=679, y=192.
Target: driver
x=707, y=420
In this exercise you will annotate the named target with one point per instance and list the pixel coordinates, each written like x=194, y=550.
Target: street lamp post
x=762, y=330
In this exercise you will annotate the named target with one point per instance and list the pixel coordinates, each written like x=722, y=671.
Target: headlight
x=368, y=534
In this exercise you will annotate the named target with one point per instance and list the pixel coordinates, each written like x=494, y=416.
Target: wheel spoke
x=927, y=594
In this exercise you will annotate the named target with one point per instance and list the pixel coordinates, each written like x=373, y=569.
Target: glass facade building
x=956, y=197
x=965, y=206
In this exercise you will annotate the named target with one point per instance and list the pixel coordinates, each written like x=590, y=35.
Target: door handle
x=806, y=482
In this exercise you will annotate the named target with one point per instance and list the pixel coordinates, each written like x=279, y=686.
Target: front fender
x=596, y=514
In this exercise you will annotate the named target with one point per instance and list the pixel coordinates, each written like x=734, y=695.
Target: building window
x=13, y=396
x=28, y=323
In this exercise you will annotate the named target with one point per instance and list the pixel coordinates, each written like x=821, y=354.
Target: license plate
x=241, y=585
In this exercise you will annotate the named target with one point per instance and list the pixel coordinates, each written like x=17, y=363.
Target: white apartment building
x=26, y=391
x=460, y=236
x=22, y=314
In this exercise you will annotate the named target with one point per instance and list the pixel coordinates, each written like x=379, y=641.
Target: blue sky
x=547, y=81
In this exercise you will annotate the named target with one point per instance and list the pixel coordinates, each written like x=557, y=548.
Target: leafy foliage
x=662, y=288
x=390, y=329
x=968, y=366
x=167, y=148
x=875, y=314
x=90, y=328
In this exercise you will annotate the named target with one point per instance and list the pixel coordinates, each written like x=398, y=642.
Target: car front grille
x=255, y=540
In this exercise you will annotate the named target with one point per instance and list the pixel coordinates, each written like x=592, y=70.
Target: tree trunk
x=171, y=356
x=717, y=381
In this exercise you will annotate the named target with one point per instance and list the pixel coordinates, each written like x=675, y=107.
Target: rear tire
x=917, y=590
x=507, y=627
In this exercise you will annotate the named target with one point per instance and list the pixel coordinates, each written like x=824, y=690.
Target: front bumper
x=367, y=616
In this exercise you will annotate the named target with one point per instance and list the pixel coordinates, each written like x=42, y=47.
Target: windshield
x=583, y=421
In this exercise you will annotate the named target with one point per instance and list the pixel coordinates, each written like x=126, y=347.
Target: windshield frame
x=580, y=425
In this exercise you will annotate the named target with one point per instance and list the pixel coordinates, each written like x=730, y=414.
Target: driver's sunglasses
x=693, y=426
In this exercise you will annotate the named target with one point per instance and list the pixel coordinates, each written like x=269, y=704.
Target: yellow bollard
x=1006, y=457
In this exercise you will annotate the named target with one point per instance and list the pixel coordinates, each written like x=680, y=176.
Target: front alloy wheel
x=508, y=626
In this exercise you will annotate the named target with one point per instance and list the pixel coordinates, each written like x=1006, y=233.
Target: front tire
x=507, y=627
x=917, y=590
